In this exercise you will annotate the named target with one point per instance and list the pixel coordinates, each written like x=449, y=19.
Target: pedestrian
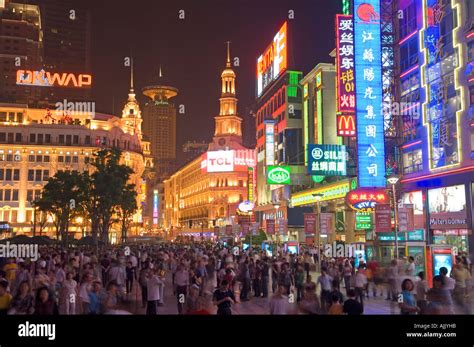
x=223, y=298
x=44, y=304
x=351, y=305
x=461, y=276
x=439, y=298
x=153, y=292
x=95, y=298
x=265, y=277
x=192, y=300
x=279, y=304
x=299, y=282
x=23, y=302
x=130, y=276
x=421, y=289
x=310, y=303
x=408, y=302
x=5, y=297
x=275, y=275
x=360, y=284
x=392, y=278
x=143, y=280
x=68, y=295
x=347, y=273
x=181, y=280
x=325, y=281
x=336, y=306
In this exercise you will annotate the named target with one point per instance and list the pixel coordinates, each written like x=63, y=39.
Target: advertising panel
x=368, y=69
x=273, y=62
x=447, y=208
x=327, y=160
x=383, y=218
x=278, y=174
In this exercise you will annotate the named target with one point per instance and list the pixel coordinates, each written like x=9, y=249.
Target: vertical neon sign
x=270, y=142
x=368, y=69
x=155, y=207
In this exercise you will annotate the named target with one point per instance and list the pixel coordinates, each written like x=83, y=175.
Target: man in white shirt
x=153, y=292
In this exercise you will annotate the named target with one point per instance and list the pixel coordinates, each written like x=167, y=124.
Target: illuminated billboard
x=327, y=160
x=269, y=142
x=368, y=69
x=227, y=161
x=49, y=79
x=345, y=64
x=447, y=208
x=273, y=61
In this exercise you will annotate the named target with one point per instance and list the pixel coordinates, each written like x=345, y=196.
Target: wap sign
x=49, y=79
x=369, y=117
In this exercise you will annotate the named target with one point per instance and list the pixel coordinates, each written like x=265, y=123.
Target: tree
x=103, y=188
x=127, y=205
x=61, y=189
x=257, y=239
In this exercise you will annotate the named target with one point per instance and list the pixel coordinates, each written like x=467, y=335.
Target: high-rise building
x=159, y=125
x=21, y=40
x=67, y=35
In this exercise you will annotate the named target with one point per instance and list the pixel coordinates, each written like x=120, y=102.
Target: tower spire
x=228, y=54
x=161, y=75
x=131, y=76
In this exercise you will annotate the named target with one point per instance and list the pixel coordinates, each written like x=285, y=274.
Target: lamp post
x=250, y=230
x=318, y=197
x=277, y=206
x=393, y=180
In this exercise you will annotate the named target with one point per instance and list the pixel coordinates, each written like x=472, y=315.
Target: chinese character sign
x=345, y=64
x=368, y=70
x=327, y=160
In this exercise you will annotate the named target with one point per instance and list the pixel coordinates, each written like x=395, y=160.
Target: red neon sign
x=365, y=199
x=345, y=64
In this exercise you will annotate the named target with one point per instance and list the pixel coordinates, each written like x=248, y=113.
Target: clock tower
x=228, y=133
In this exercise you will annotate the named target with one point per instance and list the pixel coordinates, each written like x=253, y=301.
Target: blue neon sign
x=368, y=69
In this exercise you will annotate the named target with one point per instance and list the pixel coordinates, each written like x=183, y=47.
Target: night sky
x=192, y=51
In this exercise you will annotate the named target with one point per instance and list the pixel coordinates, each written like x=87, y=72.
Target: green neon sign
x=278, y=175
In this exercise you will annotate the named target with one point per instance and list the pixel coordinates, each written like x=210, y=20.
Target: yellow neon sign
x=48, y=79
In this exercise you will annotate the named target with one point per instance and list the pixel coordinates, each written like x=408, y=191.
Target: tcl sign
x=218, y=161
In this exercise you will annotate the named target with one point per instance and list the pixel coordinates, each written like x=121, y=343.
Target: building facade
x=36, y=143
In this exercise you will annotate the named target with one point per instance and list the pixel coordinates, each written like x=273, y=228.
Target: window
x=3, y=116
x=10, y=137
x=75, y=159
x=8, y=195
x=61, y=139
x=2, y=174
x=45, y=175
x=68, y=159
x=29, y=195
x=1, y=194
x=68, y=140
x=46, y=158
x=40, y=139
x=37, y=193
x=75, y=139
x=3, y=136
x=15, y=195
x=8, y=174
x=16, y=174
x=31, y=158
x=47, y=138
x=412, y=161
x=60, y=159
x=32, y=138
x=37, y=175
x=18, y=137
x=409, y=54
x=19, y=117
x=31, y=175
x=87, y=140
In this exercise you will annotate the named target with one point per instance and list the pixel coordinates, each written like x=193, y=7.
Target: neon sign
x=47, y=79
x=365, y=199
x=346, y=125
x=327, y=160
x=273, y=61
x=368, y=68
x=270, y=142
x=345, y=64
x=227, y=161
x=155, y=207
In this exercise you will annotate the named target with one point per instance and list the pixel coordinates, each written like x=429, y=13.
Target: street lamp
x=277, y=206
x=393, y=180
x=250, y=230
x=318, y=197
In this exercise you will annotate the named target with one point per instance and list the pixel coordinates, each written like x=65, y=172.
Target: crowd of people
x=210, y=278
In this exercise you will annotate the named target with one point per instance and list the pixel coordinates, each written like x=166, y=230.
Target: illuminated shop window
x=412, y=161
